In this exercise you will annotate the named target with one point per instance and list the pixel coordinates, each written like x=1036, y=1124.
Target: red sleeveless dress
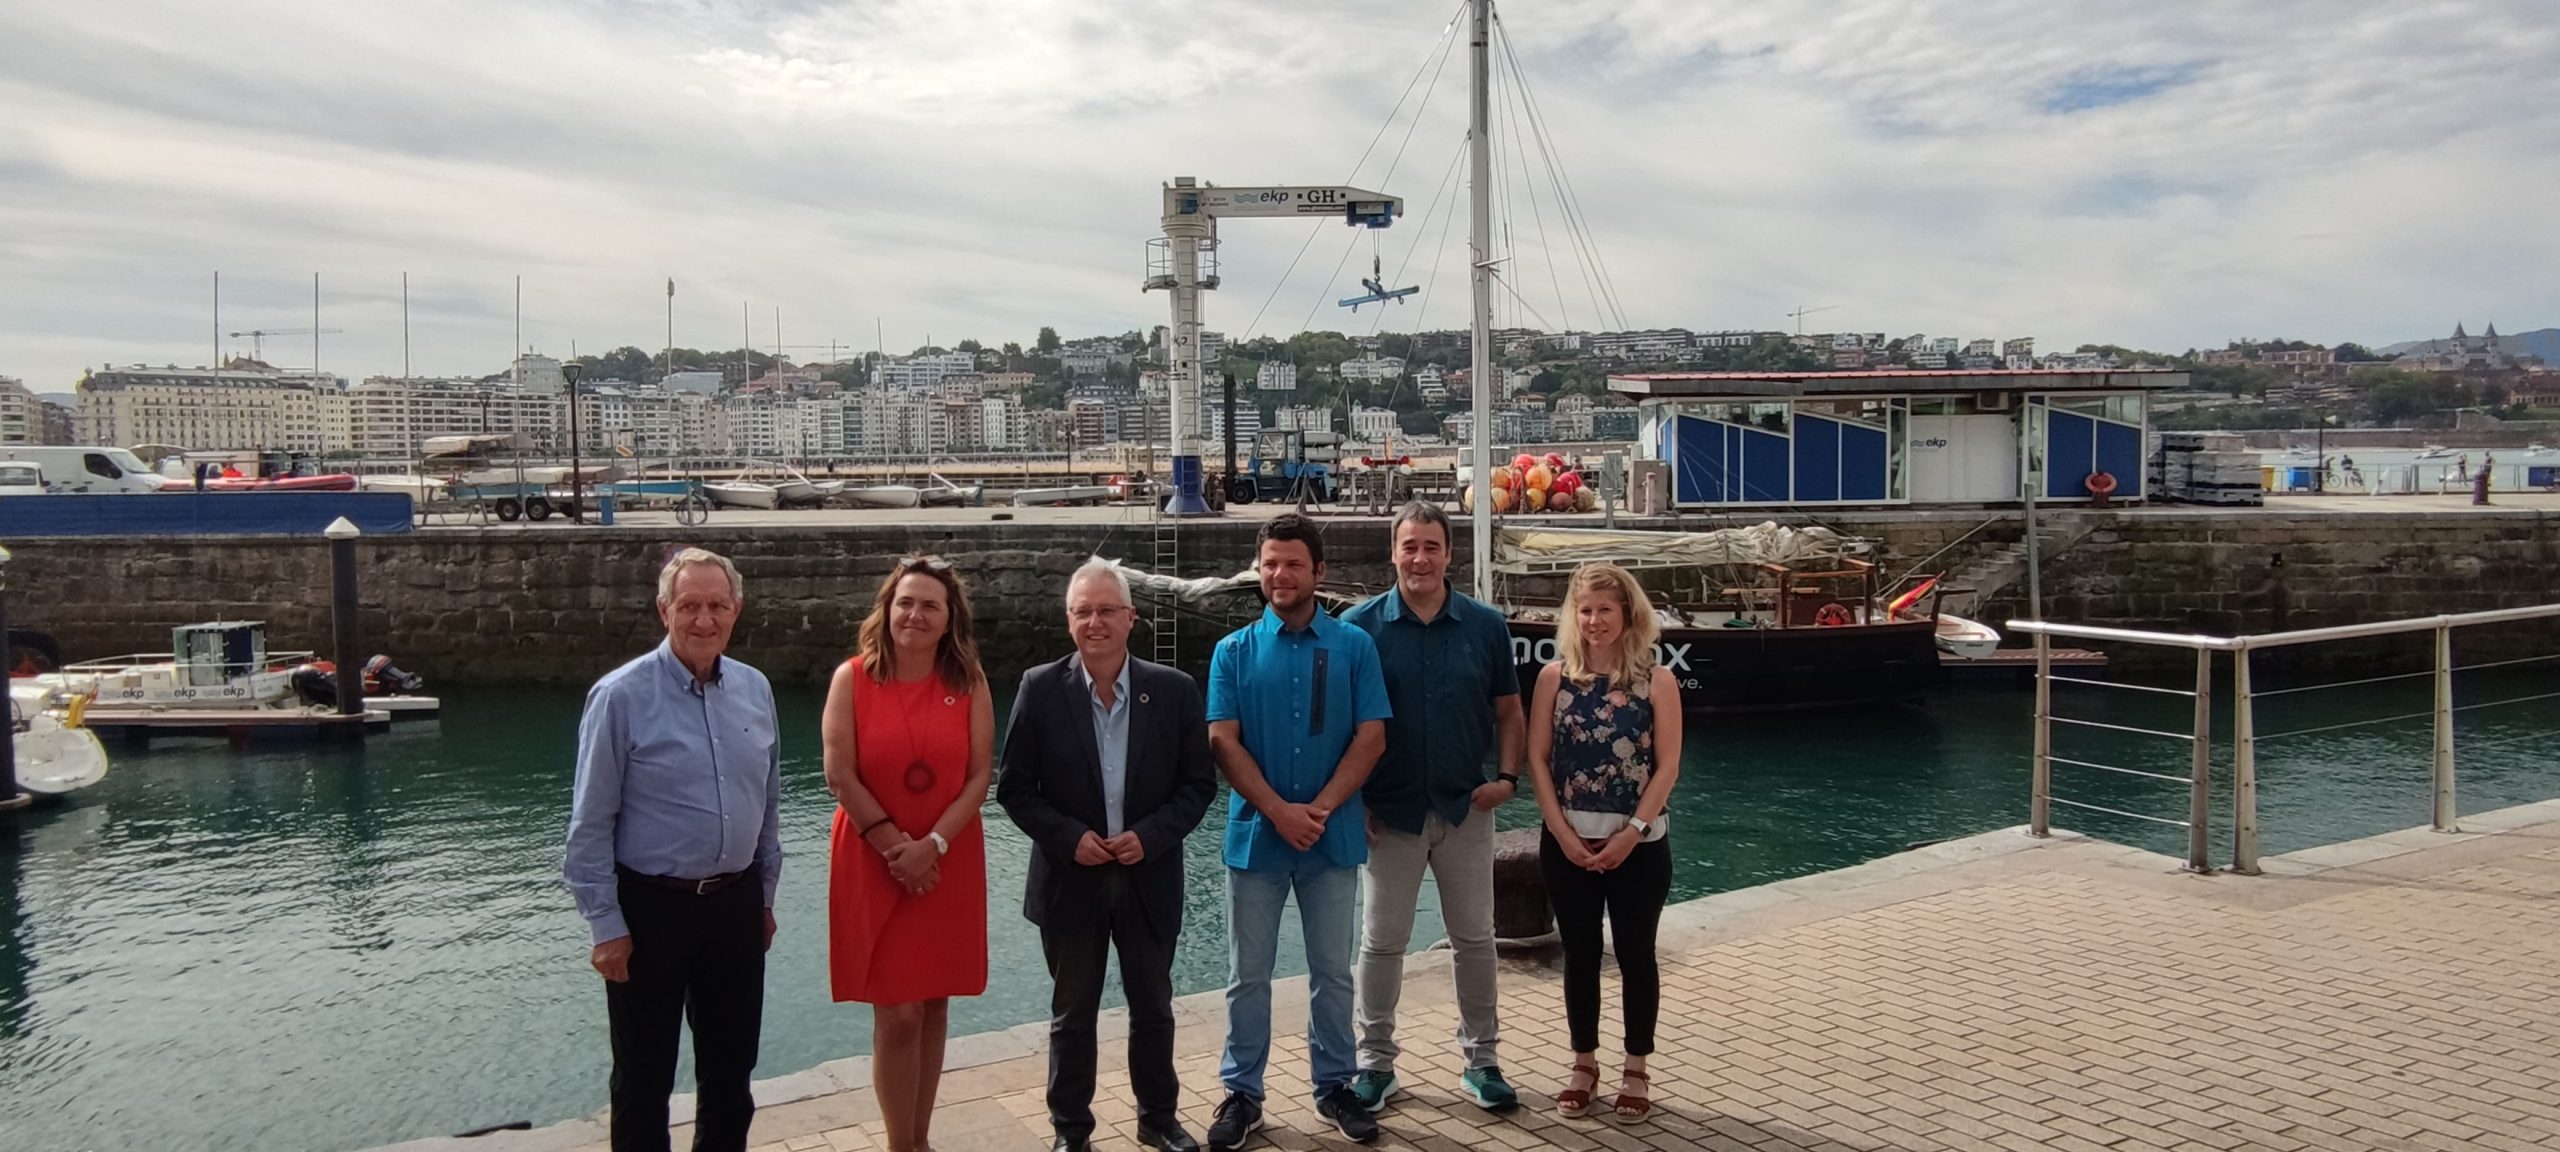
x=886, y=946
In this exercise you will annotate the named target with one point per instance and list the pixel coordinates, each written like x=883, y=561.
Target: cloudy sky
x=2166, y=175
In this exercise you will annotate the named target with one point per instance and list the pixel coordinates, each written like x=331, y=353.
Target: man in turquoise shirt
x=1297, y=717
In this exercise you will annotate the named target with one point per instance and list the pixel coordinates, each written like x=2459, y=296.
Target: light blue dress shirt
x=675, y=779
x=1111, y=740
x=1298, y=696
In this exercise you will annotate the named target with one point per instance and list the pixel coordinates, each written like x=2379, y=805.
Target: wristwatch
x=1510, y=778
x=1637, y=823
x=940, y=846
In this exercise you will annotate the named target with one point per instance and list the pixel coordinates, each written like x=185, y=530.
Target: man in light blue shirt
x=1297, y=717
x=675, y=849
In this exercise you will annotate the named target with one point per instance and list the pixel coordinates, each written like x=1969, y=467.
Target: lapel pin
x=1143, y=697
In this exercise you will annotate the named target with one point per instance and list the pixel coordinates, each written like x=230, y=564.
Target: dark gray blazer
x=1050, y=783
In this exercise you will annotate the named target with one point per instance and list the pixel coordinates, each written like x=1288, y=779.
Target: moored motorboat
x=221, y=666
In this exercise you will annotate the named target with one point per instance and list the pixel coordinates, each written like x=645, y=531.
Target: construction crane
x=1802, y=311
x=258, y=338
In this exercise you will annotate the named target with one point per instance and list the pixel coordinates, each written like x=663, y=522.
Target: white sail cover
x=1191, y=591
x=1525, y=551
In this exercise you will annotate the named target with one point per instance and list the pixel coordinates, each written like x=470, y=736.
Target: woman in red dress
x=910, y=745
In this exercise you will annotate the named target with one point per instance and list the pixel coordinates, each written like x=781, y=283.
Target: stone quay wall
x=564, y=606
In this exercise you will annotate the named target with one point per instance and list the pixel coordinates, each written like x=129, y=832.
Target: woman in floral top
x=1604, y=751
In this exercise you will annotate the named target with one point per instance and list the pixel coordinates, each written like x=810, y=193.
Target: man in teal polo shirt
x=1297, y=717
x=1456, y=696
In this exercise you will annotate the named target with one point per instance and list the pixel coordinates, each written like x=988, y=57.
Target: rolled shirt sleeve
x=595, y=812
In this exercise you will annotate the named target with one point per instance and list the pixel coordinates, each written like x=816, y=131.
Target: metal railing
x=2245, y=736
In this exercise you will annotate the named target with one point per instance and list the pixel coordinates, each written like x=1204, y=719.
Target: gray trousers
x=1461, y=862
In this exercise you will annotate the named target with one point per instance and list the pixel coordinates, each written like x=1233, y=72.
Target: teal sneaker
x=1373, y=1086
x=1488, y=1089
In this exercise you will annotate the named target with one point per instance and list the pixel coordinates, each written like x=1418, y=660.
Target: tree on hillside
x=624, y=363
x=2354, y=353
x=1048, y=341
x=2398, y=396
x=969, y=346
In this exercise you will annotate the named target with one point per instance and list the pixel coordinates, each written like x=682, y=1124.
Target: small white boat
x=55, y=754
x=2435, y=452
x=1063, y=494
x=742, y=494
x=885, y=496
x=795, y=491
x=827, y=489
x=417, y=488
x=943, y=493
x=1966, y=638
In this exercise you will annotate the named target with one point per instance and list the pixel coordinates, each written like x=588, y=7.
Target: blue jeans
x=1255, y=901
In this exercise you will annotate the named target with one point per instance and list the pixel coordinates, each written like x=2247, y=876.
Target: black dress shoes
x=1071, y=1144
x=1166, y=1137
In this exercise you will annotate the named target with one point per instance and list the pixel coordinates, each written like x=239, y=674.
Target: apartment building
x=236, y=407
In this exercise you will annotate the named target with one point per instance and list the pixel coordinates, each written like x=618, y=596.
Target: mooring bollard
x=342, y=534
x=1520, y=910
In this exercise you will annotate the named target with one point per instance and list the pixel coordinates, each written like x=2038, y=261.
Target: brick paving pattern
x=2069, y=996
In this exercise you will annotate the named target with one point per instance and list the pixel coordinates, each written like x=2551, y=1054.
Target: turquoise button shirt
x=1443, y=678
x=1297, y=695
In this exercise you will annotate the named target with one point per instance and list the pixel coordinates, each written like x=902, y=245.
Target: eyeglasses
x=1106, y=612
x=933, y=564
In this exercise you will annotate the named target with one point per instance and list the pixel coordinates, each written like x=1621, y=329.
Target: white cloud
x=2159, y=175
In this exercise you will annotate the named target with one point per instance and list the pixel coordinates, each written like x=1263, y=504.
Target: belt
x=703, y=887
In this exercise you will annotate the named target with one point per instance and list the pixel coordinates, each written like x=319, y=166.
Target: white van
x=87, y=469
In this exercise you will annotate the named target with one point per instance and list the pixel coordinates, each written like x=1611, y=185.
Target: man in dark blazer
x=1106, y=768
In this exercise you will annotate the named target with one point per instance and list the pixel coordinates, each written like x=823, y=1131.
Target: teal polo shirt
x=1443, y=678
x=1297, y=694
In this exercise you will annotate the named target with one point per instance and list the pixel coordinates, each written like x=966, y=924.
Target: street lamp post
x=2320, y=453
x=571, y=370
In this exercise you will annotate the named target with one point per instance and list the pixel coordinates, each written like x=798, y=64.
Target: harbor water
x=319, y=948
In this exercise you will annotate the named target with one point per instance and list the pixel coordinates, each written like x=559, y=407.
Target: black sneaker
x=1238, y=1118
x=1343, y=1107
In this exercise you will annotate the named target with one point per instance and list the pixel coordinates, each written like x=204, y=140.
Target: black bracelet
x=1510, y=778
x=865, y=833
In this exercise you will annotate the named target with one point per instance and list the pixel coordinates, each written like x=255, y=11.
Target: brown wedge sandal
x=1632, y=1109
x=1574, y=1103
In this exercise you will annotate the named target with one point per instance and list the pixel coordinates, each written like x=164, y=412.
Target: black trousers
x=696, y=958
x=1078, y=960
x=1631, y=896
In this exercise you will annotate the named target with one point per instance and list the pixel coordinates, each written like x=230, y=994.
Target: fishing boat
x=1757, y=618
x=1062, y=494
x=885, y=496
x=56, y=754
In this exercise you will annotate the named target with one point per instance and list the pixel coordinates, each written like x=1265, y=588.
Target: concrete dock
x=1995, y=992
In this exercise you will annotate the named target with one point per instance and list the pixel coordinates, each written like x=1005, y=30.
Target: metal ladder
x=1168, y=563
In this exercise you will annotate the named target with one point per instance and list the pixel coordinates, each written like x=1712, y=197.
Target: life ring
x=1832, y=615
x=2100, y=484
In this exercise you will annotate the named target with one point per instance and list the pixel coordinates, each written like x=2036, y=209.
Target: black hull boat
x=1773, y=669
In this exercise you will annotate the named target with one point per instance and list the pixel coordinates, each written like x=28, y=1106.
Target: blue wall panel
x=202, y=514
x=2070, y=454
x=1698, y=476
x=1764, y=467
x=1862, y=462
x=2120, y=455
x=1817, y=458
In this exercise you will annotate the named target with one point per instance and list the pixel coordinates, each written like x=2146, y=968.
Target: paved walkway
x=1996, y=992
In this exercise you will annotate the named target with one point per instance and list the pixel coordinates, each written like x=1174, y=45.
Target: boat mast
x=1480, y=247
